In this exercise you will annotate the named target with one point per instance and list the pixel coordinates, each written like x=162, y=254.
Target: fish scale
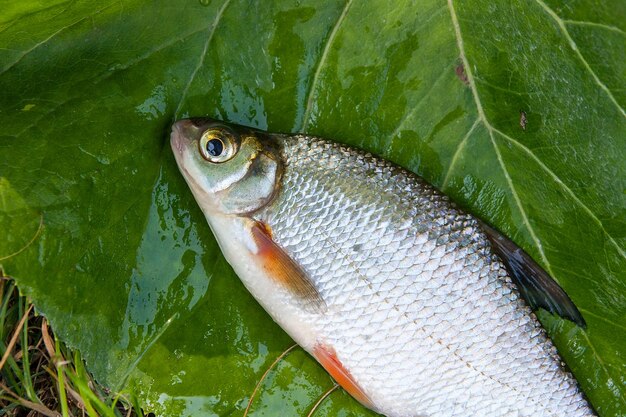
x=417, y=304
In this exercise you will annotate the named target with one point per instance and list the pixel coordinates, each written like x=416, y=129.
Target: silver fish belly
x=414, y=306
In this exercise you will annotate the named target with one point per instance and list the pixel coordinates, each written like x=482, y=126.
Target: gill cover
x=232, y=170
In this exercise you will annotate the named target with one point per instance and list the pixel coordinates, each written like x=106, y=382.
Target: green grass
x=39, y=376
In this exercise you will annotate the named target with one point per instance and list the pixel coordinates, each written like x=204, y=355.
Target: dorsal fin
x=535, y=285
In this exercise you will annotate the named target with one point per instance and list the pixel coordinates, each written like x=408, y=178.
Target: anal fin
x=535, y=285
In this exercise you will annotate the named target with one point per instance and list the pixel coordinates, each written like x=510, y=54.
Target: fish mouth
x=177, y=139
x=178, y=144
x=182, y=138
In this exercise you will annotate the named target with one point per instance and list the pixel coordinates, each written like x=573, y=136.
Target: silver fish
x=413, y=306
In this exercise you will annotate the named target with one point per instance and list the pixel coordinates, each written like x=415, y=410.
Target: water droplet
x=205, y=2
x=155, y=105
x=178, y=354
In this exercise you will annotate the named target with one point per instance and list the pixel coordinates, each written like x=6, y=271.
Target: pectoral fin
x=284, y=270
x=535, y=285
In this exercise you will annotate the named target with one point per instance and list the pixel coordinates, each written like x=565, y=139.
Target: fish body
x=406, y=300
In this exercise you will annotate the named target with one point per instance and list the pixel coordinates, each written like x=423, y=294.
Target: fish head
x=230, y=169
x=233, y=172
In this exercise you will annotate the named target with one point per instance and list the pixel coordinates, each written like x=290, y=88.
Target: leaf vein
x=594, y=24
x=139, y=357
x=497, y=87
x=150, y=53
x=417, y=105
x=580, y=56
x=457, y=153
x=602, y=364
x=211, y=33
x=30, y=242
x=565, y=188
x=43, y=42
x=44, y=9
x=599, y=317
x=108, y=75
x=309, y=102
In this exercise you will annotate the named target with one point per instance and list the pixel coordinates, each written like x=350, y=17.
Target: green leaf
x=101, y=231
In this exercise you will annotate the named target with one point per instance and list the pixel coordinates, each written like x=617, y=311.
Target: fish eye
x=217, y=145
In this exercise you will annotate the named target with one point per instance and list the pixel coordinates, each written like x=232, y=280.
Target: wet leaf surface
x=123, y=263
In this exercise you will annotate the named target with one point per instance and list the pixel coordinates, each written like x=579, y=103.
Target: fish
x=414, y=306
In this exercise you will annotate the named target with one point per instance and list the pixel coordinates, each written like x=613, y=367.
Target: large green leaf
x=101, y=231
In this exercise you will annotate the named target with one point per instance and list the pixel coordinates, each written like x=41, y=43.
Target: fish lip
x=176, y=140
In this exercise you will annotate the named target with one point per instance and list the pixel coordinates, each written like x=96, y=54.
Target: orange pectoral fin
x=328, y=359
x=280, y=267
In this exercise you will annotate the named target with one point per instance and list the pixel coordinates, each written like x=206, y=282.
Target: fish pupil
x=214, y=147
